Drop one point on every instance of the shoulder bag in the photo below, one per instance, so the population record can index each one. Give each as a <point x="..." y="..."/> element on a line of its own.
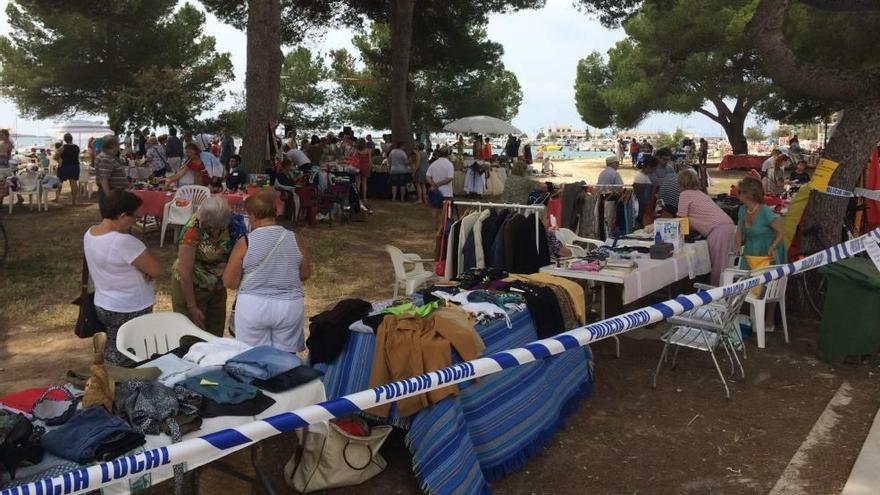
<point x="87" y="323"/>
<point x="336" y="460"/>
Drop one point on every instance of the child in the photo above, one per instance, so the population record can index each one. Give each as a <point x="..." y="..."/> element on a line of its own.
<point x="800" y="176"/>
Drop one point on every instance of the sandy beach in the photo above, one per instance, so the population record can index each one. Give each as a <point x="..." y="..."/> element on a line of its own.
<point x="588" y="169"/>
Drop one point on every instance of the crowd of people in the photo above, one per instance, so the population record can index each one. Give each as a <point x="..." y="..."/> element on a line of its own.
<point x="266" y="265"/>
<point x="666" y="190"/>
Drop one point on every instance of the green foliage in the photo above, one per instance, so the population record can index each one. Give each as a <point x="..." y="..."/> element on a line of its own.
<point x="304" y="92"/>
<point x="781" y="131"/>
<point x="300" y="19"/>
<point x="755" y="134"/>
<point x="677" y="57"/>
<point x="443" y="88"/>
<point x="141" y="62"/>
<point x="539" y="136"/>
<point x="835" y="39"/>
<point x="666" y="140"/>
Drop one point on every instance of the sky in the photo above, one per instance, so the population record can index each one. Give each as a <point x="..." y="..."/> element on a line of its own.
<point x="542" y="47"/>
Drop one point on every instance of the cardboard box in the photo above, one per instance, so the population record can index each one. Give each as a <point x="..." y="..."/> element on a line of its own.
<point x="672" y="230"/>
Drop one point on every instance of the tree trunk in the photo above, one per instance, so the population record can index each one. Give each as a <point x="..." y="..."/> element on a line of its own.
<point x="262" y="81"/>
<point x="854" y="137"/>
<point x="856" y="132"/>
<point x="735" y="131"/>
<point x="401" y="43"/>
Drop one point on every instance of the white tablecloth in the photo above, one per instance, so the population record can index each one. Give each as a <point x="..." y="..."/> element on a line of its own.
<point x="304" y="395"/>
<point x="650" y="275"/>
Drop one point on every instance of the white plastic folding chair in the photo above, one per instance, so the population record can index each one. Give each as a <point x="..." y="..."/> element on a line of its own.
<point x="179" y="215"/>
<point x="568" y="238"/>
<point x="707" y="328"/>
<point x="774" y="292"/>
<point x="88" y="183"/>
<point x="409" y="279"/>
<point x="156" y="333"/>
<point x="30" y="185"/>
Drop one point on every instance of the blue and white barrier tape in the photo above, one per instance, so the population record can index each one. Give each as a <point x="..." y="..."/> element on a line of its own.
<point x="103" y="474"/>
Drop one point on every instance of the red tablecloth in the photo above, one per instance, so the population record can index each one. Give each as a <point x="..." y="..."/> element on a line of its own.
<point x="741" y="161"/>
<point x="154" y="201"/>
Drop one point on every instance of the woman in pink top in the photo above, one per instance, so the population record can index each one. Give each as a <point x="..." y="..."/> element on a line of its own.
<point x="708" y="219"/>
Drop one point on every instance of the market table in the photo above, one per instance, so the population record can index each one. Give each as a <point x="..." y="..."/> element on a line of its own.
<point x="154" y="201"/>
<point x="741" y="161"/>
<point x="304" y="395"/>
<point x="495" y="425"/>
<point x="649" y="275"/>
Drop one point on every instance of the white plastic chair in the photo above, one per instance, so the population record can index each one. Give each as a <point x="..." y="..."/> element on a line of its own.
<point x="156" y="333"/>
<point x="568" y="238"/>
<point x="179" y="215"/>
<point x="412" y="279"/>
<point x="774" y="292"/>
<point x="88" y="183"/>
<point x="30" y="184"/>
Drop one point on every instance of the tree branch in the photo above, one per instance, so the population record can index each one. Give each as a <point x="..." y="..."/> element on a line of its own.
<point x="787" y="70"/>
<point x="723" y="112"/>
<point x="710" y="115"/>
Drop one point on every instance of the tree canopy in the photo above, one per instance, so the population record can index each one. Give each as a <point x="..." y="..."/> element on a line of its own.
<point x="679" y="56"/>
<point x="304" y="91"/>
<point x="139" y="62"/>
<point x="443" y="87"/>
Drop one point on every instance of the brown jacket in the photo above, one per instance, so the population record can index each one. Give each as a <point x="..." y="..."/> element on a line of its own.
<point x="408" y="346"/>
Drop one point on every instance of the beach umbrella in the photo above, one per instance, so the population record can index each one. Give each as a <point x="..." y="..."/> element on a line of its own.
<point x="481" y="124"/>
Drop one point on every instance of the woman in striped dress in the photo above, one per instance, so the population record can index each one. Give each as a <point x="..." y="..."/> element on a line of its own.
<point x="268" y="267"/>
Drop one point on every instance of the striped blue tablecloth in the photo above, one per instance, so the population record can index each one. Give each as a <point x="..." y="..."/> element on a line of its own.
<point x="495" y="425"/>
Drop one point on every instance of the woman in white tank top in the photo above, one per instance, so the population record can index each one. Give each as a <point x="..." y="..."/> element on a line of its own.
<point x="268" y="268"/>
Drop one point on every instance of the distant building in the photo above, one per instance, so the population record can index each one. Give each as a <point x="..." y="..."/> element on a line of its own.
<point x="638" y="134"/>
<point x="564" y="131"/>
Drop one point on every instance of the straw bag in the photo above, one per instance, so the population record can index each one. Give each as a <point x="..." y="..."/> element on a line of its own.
<point x="336" y="460"/>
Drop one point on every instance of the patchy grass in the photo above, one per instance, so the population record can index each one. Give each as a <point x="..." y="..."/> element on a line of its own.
<point x="42" y="276"/>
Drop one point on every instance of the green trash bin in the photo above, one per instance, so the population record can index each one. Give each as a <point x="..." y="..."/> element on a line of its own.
<point x="851" y="319"/>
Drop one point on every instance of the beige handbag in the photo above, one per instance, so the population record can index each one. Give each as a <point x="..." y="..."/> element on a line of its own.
<point x="336" y="460"/>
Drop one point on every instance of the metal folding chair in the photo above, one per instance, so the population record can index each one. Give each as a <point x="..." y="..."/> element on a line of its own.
<point x="706" y="329"/>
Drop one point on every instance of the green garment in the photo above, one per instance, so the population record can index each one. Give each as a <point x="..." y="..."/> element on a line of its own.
<point x="210" y="254"/>
<point x="212" y="303"/>
<point x="410" y="308"/>
<point x="758" y="237"/>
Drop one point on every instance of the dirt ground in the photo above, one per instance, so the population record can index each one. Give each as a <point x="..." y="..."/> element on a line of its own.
<point x="626" y="438"/>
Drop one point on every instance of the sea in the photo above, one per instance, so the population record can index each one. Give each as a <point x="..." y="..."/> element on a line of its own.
<point x="565" y="152"/>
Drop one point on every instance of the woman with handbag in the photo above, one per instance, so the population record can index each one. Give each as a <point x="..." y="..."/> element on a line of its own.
<point x="267" y="267"/>
<point x="121" y="268"/>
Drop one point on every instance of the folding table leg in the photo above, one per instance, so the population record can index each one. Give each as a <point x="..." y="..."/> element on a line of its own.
<point x="258" y="471"/>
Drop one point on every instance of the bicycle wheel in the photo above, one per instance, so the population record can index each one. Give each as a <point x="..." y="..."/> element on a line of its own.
<point x="4" y="244"/>
<point x="815" y="286"/>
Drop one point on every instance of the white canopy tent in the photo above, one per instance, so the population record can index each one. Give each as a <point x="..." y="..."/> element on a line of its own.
<point x="81" y="130"/>
<point x="481" y="124"/>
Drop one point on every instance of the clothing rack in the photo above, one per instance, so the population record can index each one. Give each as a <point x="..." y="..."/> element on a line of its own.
<point x="508" y="206"/>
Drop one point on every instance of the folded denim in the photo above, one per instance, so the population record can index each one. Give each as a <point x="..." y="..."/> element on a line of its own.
<point x="220" y="387"/>
<point x="92" y="434"/>
<point x="262" y="362"/>
<point x="291" y="379"/>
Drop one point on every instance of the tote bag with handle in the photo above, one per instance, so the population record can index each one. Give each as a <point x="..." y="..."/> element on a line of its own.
<point x="336" y="460"/>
